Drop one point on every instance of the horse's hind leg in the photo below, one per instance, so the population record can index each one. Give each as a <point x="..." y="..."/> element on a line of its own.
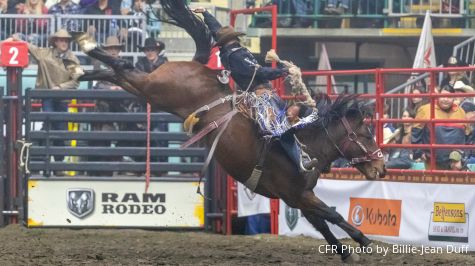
<point x="312" y="203"/>
<point x="335" y="244"/>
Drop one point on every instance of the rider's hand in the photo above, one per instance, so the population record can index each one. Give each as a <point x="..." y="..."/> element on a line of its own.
<point x="199" y="9"/>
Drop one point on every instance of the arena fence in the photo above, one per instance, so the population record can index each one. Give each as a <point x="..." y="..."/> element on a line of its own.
<point x="3" y="178"/>
<point x="72" y="165"/>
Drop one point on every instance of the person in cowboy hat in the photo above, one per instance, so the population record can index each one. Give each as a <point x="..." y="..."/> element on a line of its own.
<point x="252" y="77"/>
<point x="58" y="69"/>
<point x="452" y="77"/>
<point x="113" y="47"/>
<point x="154" y="55"/>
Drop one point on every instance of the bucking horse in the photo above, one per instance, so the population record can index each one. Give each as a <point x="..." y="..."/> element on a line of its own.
<point x="182" y="88"/>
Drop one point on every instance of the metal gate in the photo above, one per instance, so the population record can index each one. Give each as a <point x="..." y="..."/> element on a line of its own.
<point x="57" y="154"/>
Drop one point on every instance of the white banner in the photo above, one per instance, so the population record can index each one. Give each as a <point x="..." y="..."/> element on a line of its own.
<point x="425" y="54"/>
<point x="394" y="212"/>
<point x="114" y="203"/>
<point x="250" y="203"/>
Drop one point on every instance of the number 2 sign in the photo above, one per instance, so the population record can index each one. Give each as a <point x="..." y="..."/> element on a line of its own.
<point x="13" y="54"/>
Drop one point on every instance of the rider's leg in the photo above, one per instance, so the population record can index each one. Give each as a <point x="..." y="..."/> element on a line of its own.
<point x="291" y="147"/>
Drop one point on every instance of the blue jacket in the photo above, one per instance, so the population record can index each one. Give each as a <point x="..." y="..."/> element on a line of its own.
<point x="241" y="62"/>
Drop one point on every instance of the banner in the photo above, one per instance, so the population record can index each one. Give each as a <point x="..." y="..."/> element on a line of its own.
<point x="425" y="54"/>
<point x="114" y="203"/>
<point x="324" y="64"/>
<point x="250" y="203"/>
<point x="395" y="212"/>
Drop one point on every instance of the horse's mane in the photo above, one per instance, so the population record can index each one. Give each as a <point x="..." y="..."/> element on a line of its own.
<point x="342" y="106"/>
<point x="182" y="17"/>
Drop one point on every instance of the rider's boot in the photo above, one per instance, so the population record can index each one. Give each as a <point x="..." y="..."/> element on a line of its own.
<point x="305" y="165"/>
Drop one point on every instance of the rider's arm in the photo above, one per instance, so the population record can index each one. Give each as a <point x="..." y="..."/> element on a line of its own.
<point x="212" y="23"/>
<point x="239" y="62"/>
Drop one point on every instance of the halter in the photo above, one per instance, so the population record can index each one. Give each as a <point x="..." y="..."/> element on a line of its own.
<point x="353" y="137"/>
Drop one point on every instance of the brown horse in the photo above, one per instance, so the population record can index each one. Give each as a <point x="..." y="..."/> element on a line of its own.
<point x="182" y="87"/>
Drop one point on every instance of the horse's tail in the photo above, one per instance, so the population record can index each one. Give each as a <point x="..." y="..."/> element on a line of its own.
<point x="178" y="11"/>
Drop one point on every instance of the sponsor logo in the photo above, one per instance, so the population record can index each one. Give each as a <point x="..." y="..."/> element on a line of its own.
<point x="357" y="215"/>
<point x="133" y="203"/>
<point x="375" y="216"/>
<point x="80" y="201"/>
<point x="291" y="217"/>
<point x="449" y="212"/>
<point x="449" y="222"/>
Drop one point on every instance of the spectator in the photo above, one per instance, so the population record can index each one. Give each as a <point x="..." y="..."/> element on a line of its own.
<point x="415" y="103"/>
<point x="58" y="69"/>
<point x="401" y="158"/>
<point x="7" y="7"/>
<point x="105" y="27"/>
<point x="66" y="7"/>
<point x="469" y="109"/>
<point x="337" y="7"/>
<point x="32" y="29"/>
<point x="388" y="128"/>
<point x="451" y="6"/>
<point x="154" y="55"/>
<point x="112" y="47"/>
<point x="445" y="133"/>
<point x="454" y="76"/>
<point x="457" y="162"/>
<point x="460" y="87"/>
<point x="298" y="8"/>
<point x="135" y="27"/>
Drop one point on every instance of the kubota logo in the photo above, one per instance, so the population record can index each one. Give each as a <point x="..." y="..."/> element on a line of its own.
<point x="375" y="216"/>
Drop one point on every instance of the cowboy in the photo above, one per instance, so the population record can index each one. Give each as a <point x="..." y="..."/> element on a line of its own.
<point x="154" y="55"/>
<point x="58" y="69"/>
<point x="252" y="77"/>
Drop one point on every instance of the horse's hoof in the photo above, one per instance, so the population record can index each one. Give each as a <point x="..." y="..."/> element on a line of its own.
<point x="353" y="258"/>
<point x="368" y="248"/>
<point x="85" y="41"/>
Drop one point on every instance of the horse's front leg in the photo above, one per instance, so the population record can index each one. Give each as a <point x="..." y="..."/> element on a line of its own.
<point x="322" y="227"/>
<point x="311" y="202"/>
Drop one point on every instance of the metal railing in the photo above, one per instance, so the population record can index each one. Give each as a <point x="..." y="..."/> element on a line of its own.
<point x="446" y="8"/>
<point x="35" y="29"/>
<point x="372" y="13"/>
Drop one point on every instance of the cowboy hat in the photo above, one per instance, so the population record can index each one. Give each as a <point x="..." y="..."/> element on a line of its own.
<point x="112" y="42"/>
<point x="459" y="85"/>
<point x="452" y="62"/>
<point x="151" y="43"/>
<point x="62" y="33"/>
<point x="226" y="34"/>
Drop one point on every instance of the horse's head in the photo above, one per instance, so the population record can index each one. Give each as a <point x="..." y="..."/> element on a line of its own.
<point x="350" y="137"/>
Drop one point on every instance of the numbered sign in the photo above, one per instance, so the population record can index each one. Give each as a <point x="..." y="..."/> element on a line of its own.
<point x="13" y="54"/>
<point x="214" y="61"/>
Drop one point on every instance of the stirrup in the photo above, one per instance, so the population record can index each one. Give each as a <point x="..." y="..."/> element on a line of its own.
<point x="308" y="166"/>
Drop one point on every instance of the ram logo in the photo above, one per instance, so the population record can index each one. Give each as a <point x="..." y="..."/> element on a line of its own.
<point x="80" y="201"/>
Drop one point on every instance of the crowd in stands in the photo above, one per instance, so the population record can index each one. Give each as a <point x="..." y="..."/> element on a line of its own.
<point x="448" y="108"/>
<point x="35" y="29"/>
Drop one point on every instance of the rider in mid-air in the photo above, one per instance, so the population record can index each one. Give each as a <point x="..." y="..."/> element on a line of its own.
<point x="252" y="77"/>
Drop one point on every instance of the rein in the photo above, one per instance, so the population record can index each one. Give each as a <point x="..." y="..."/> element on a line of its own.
<point x="353" y="137"/>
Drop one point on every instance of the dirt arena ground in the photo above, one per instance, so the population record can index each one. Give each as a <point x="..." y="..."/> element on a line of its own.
<point x="20" y="246"/>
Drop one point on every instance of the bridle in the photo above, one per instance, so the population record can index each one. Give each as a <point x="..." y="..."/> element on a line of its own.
<point x="353" y="137"/>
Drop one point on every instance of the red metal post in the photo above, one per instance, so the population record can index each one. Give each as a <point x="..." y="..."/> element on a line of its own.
<point x="13" y="133"/>
<point x="432" y="116"/>
<point x="274" y="203"/>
